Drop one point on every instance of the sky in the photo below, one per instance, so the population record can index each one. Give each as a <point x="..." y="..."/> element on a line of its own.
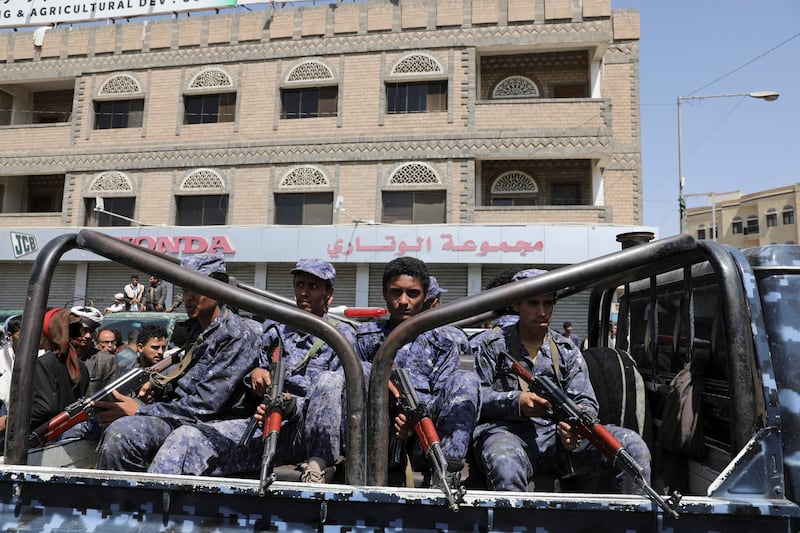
<point x="708" y="48"/>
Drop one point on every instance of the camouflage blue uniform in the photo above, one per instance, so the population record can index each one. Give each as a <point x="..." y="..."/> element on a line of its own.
<point x="451" y="395"/>
<point x="317" y="383"/>
<point x="511" y="448"/>
<point x="188" y="430"/>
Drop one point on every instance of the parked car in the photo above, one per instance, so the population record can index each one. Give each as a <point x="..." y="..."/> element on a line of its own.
<point x="129" y="320"/>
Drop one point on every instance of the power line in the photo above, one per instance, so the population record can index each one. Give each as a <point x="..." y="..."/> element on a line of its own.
<point x="745" y="64"/>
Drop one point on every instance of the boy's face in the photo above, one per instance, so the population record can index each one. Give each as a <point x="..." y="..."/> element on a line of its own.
<point x="536" y="313"/>
<point x="404" y="297"/>
<point x="311" y="293"/>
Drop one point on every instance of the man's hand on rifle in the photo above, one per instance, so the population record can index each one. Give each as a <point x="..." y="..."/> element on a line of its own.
<point x="403" y="427"/>
<point x="122" y="405"/>
<point x="531" y="404"/>
<point x="146" y="393"/>
<point x="260" y="379"/>
<point x="569" y="436"/>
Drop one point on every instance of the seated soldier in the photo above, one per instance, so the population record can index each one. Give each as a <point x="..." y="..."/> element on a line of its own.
<point x="514" y="439"/>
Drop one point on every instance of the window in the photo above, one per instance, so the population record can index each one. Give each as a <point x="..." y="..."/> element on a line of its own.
<point x="209" y="108"/>
<point x="788" y="214"/>
<point x="752" y="225"/>
<point x="309" y="103"/>
<point x="210" y="98"/>
<point x="565" y="194"/>
<point x="6" y="105"/>
<point x="118" y="114"/>
<point x="404" y="95"/>
<point x="514" y="188"/>
<point x="304" y="208"/>
<point x="414" y="207"/>
<point x="45" y="194"/>
<point x="51" y="107"/>
<point x="420" y="97"/>
<point x="736" y="225"/>
<point x="120" y="103"/>
<point x="117" y="206"/>
<point x="208" y="210"/>
<point x="772" y="218"/>
<point x="701" y="232"/>
<point x="295" y="204"/>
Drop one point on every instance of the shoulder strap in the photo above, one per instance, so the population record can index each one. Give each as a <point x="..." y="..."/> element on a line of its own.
<point x="312" y="352"/>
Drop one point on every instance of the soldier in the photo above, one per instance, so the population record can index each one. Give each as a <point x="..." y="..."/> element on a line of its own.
<point x="451" y="395"/>
<point x="200" y="410"/>
<point x="314" y="377"/>
<point x="514" y="439"/>
<point x="434" y="297"/>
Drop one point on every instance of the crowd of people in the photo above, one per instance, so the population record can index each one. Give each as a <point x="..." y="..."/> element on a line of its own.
<point x="137" y="297"/>
<point x="191" y="419"/>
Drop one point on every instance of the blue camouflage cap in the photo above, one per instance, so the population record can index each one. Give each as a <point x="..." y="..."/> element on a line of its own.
<point x="528" y="273"/>
<point x="205" y="263"/>
<point x="316" y="267"/>
<point x="434" y="289"/>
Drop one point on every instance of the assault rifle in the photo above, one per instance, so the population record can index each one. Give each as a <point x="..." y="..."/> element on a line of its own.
<point x="275" y="403"/>
<point x="409" y="404"/>
<point x="566" y="410"/>
<point x="80" y="410"/>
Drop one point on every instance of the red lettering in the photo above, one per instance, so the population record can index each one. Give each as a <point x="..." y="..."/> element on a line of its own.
<point x="187" y="244"/>
<point x="220" y="244"/>
<point x="147" y="242"/>
<point x="193" y="245"/>
<point x="168" y="245"/>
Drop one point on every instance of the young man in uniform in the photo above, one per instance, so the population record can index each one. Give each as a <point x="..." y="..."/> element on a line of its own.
<point x="314" y="378"/>
<point x="514" y="439"/>
<point x="451" y="395"/>
<point x="199" y="411"/>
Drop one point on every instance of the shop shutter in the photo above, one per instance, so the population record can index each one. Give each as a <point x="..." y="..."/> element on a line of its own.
<point x="345" y="290"/>
<point x="450" y="277"/>
<point x="15" y="285"/>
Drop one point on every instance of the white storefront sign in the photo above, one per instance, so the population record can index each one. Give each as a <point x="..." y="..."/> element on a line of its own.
<point x="524" y="244"/>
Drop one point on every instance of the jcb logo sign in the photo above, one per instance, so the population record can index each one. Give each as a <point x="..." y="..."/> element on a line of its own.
<point x="23" y="244"/>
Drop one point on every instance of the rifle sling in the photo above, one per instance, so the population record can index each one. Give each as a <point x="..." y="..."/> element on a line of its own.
<point x="312" y="352"/>
<point x="159" y="381"/>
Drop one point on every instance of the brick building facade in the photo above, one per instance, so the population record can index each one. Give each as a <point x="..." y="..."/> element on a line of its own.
<point x="511" y="116"/>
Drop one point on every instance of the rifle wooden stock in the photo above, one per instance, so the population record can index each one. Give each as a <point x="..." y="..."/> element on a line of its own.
<point x="425" y="430"/>
<point x="274" y="403"/>
<point x="79" y="410"/>
<point x="566" y="410"/>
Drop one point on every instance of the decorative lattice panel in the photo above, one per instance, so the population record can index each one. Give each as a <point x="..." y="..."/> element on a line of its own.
<point x="121" y="84"/>
<point x="310" y="71"/>
<point x="514" y="182"/>
<point x="211" y="78"/>
<point x="112" y="181"/>
<point x="516" y="87"/>
<point x="304" y="177"/>
<point x="414" y="173"/>
<point x="203" y="178"/>
<point x="417" y="64"/>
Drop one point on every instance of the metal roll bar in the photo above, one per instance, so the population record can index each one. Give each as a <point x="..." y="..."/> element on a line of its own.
<point x="616" y="268"/>
<point x="166" y="268"/>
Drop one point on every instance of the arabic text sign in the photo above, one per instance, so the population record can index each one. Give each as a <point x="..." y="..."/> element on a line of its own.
<point x="340" y="249"/>
<point x="44" y="12"/>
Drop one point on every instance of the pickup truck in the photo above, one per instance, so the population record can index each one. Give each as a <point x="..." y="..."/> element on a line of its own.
<point x="703" y="367"/>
